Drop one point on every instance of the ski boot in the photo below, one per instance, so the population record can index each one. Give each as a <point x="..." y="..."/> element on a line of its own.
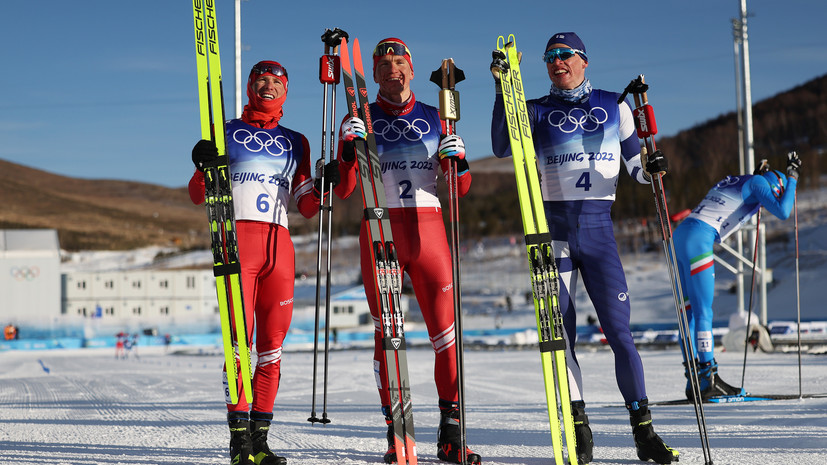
<point x="582" y="432"/>
<point x="262" y="455"/>
<point x="390" y="455"/>
<point x="648" y="444"/>
<point x="449" y="443"/>
<point x="241" y="446"/>
<point x="711" y="385"/>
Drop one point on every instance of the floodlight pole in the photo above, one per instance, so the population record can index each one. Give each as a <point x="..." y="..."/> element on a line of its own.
<point x="237" y="58"/>
<point x="746" y="153"/>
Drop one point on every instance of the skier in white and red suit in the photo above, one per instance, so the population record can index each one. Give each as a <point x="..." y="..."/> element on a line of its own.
<point x="269" y="164"/>
<point x="412" y="147"/>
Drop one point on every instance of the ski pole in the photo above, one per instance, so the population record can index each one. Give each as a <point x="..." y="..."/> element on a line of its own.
<point x="797" y="291"/>
<point x="751" y="294"/>
<point x="446" y="77"/>
<point x="644" y="118"/>
<point x="762" y="168"/>
<point x="329" y="76"/>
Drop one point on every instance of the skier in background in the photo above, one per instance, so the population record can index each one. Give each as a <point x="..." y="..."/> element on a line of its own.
<point x="412" y="148"/>
<point x="269" y="163"/>
<point x="120" y="344"/>
<point x="133" y="346"/>
<point x="727" y="206"/>
<point x="581" y="135"/>
<point x="10" y="332"/>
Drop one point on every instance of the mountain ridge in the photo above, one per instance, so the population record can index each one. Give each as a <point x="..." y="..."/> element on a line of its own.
<point x="100" y="214"/>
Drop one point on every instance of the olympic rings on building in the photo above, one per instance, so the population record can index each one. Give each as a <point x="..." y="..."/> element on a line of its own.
<point x="25" y="273"/>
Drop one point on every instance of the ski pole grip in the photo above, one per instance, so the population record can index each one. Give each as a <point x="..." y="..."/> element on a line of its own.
<point x="645" y="124"/>
<point x="329" y="66"/>
<point x="449" y="105"/>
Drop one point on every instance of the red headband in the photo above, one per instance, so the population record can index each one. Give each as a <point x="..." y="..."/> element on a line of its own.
<point x="392" y="46"/>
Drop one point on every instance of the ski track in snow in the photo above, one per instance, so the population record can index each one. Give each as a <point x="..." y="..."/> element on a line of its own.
<point x="168" y="409"/>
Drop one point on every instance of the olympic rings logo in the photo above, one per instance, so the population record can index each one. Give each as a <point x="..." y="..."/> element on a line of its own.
<point x="576" y="118"/>
<point x="29" y="273"/>
<point x="261" y="140"/>
<point x="728" y="181"/>
<point x="399" y="128"/>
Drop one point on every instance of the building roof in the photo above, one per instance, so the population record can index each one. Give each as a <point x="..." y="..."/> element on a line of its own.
<point x="29" y="240"/>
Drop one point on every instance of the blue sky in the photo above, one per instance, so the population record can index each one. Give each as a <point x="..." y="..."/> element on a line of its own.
<point x="105" y="89"/>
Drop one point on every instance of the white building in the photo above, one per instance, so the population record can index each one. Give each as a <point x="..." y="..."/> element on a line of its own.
<point x="29" y="275"/>
<point x="147" y="298"/>
<point x="45" y="302"/>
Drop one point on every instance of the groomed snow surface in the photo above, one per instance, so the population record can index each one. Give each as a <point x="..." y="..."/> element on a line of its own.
<point x="87" y="407"/>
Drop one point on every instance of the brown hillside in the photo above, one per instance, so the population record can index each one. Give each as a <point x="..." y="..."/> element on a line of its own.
<point x="99" y="214"/>
<point x="113" y="215"/>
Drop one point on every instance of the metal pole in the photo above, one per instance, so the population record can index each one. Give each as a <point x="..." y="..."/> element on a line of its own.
<point x="749" y="151"/>
<point x="238" y="58"/>
<point x="739" y="237"/>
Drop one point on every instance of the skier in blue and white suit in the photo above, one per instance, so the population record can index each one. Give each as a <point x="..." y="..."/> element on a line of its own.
<point x="581" y="137"/>
<point x="723" y="211"/>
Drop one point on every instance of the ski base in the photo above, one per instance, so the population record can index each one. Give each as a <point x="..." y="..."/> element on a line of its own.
<point x="741" y="398"/>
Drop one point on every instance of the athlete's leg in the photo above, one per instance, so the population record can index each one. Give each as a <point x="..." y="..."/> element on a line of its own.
<point x="424" y="249"/>
<point x="252" y="243"/>
<point x="567" y="267"/>
<point x="605" y="281"/>
<point x="693" y="244"/>
<point x="273" y="313"/>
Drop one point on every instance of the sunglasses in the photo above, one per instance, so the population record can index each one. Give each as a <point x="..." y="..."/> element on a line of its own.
<point x="276" y="70"/>
<point x="394" y="48"/>
<point x="562" y="53"/>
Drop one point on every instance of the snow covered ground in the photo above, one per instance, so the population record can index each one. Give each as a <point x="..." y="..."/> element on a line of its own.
<point x="85" y="407"/>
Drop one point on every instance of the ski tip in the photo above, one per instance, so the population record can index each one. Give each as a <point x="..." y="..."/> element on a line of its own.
<point x="500" y="42"/>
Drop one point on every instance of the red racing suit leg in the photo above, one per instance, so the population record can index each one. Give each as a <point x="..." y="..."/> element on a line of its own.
<point x="267" y="261"/>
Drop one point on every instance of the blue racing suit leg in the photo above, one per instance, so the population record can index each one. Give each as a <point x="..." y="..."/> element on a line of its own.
<point x="586" y="228"/>
<point x="693" y="241"/>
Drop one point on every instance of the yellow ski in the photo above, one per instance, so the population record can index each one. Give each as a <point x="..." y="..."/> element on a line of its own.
<point x="219" y="201"/>
<point x="544" y="277"/>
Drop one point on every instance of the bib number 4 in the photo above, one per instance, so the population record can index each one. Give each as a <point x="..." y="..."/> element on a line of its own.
<point x="584" y="182"/>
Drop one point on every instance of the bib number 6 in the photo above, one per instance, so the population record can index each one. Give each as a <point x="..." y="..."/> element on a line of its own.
<point x="262" y="203"/>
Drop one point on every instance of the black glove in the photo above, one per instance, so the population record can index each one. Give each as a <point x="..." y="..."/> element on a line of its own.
<point x="204" y="154"/>
<point x="793" y="165"/>
<point x="348" y="150"/>
<point x="331" y="178"/>
<point x="763" y="167"/>
<point x="498" y="64"/>
<point x="656" y="163"/>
